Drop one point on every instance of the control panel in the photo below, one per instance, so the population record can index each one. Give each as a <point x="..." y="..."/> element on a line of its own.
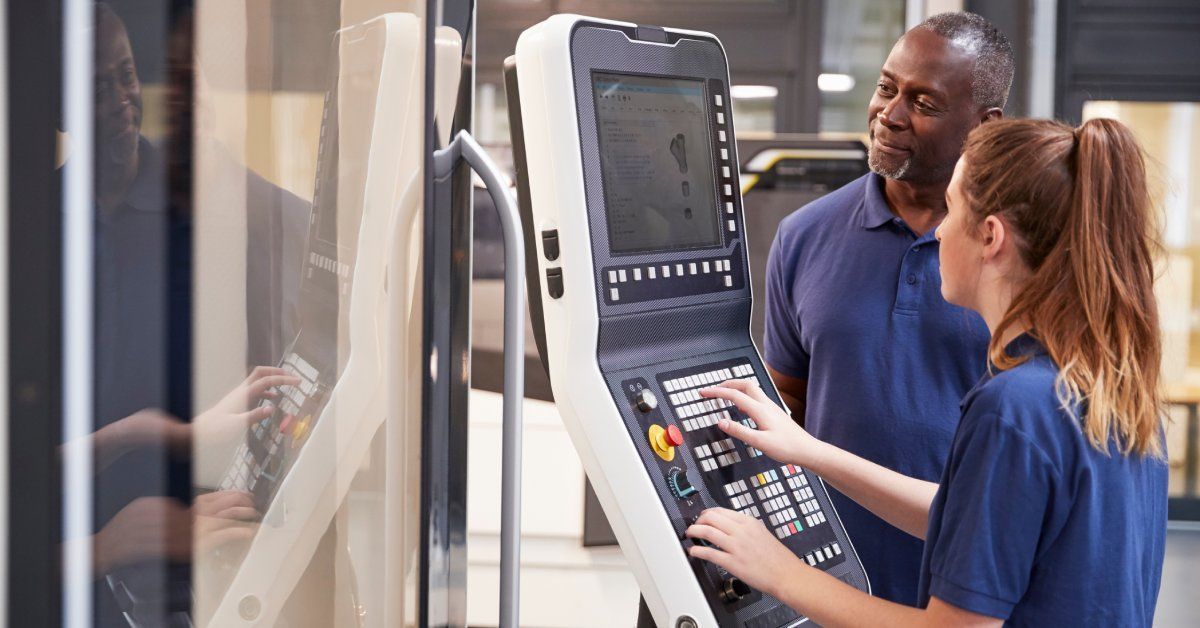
<point x="627" y="178"/>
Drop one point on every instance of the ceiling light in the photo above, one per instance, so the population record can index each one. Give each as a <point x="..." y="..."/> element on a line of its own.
<point x="753" y="92"/>
<point x="835" y="82"/>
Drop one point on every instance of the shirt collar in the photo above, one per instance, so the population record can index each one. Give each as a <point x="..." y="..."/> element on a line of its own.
<point x="875" y="211"/>
<point x="1026" y="344"/>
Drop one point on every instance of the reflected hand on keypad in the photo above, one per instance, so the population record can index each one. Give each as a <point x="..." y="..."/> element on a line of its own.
<point x="242" y="406"/>
<point x="164" y="527"/>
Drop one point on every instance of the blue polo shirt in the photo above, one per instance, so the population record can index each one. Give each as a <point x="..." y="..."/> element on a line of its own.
<point x="1032" y="524"/>
<point x="854" y="306"/>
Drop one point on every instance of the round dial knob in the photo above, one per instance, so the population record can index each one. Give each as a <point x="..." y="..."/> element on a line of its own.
<point x="646" y="401"/>
<point x="734" y="589"/>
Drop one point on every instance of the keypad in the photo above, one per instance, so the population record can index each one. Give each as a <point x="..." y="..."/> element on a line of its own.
<point x="806" y="500"/>
<point x="717" y="454"/>
<point x="823" y="554"/>
<point x="633" y="284"/>
<point x="739" y="476"/>
<point x="696" y="412"/>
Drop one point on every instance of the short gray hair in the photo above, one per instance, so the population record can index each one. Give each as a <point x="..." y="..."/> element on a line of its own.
<point x="992" y="75"/>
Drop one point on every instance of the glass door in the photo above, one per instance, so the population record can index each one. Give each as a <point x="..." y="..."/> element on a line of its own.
<point x="220" y="393"/>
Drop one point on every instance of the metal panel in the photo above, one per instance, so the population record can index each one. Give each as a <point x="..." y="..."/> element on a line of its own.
<point x="446" y="331"/>
<point x="34" y="282"/>
<point x="1126" y="50"/>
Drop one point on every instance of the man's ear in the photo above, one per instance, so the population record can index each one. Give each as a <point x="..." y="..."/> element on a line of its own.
<point x="991" y="113"/>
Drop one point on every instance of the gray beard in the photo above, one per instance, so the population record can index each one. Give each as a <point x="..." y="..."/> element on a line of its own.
<point x="876" y="164"/>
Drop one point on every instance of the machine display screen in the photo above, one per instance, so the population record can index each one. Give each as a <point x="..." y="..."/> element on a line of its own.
<point x="656" y="163"/>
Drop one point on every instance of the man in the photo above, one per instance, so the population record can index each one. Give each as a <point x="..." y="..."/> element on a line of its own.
<point x="860" y="343"/>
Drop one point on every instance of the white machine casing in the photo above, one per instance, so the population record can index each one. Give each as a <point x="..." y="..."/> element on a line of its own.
<point x="554" y="162"/>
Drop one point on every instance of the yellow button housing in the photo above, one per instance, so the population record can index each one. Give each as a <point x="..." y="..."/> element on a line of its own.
<point x="658" y="442"/>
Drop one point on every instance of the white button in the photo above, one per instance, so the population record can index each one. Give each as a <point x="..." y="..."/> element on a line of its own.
<point x="621" y="274"/>
<point x="704" y="266"/>
<point x="724" y="153"/>
<point x="728" y="281"/>
<point x="652" y="273"/>
<point x="717" y="99"/>
<point x="666" y="271"/>
<point x="728" y="208"/>
<point x="726" y="265"/>
<point x="637" y="274"/>
<point x="692" y="267"/>
<point x="732" y="226"/>
<point x="725" y="172"/>
<point x="679" y="269"/>
<point x="721" y="135"/>
<point x="720" y="118"/>
<point x="612" y="276"/>
<point x="616" y="294"/>
<point x="728" y="189"/>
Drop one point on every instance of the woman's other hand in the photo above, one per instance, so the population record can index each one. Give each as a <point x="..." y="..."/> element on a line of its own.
<point x="744" y="547"/>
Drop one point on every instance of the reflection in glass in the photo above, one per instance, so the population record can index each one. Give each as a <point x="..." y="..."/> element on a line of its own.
<point x="243" y="472"/>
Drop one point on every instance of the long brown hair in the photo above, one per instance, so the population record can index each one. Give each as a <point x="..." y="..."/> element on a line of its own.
<point x="1078" y="202"/>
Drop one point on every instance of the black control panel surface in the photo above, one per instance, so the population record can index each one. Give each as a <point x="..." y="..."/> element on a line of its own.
<point x="702" y="467"/>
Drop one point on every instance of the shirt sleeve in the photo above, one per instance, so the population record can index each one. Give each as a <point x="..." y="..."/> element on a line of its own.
<point x="998" y="489"/>
<point x="782" y="349"/>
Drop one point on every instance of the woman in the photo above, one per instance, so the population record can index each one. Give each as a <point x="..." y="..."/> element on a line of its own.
<point x="1051" y="510"/>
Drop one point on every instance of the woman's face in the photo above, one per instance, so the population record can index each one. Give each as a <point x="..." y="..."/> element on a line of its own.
<point x="961" y="250"/>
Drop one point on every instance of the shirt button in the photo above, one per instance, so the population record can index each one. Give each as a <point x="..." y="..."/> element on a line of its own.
<point x="911" y="279"/>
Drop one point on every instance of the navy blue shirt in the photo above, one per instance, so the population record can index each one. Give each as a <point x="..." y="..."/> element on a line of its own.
<point x="1034" y="525"/>
<point x="854" y="306"/>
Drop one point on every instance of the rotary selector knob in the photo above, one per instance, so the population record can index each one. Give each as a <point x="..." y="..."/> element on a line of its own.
<point x="679" y="484"/>
<point x="646" y="401"/>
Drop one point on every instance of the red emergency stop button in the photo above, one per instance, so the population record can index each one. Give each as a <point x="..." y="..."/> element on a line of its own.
<point x="673" y="436"/>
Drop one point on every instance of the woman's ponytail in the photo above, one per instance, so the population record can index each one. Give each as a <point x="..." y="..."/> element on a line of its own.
<point x="1078" y="200"/>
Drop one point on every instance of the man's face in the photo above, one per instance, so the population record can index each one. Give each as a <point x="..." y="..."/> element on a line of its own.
<point x="118" y="94"/>
<point x="922" y="109"/>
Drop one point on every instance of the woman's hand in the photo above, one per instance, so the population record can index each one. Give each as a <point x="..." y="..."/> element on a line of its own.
<point x="777" y="435"/>
<point x="744" y="547"/>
